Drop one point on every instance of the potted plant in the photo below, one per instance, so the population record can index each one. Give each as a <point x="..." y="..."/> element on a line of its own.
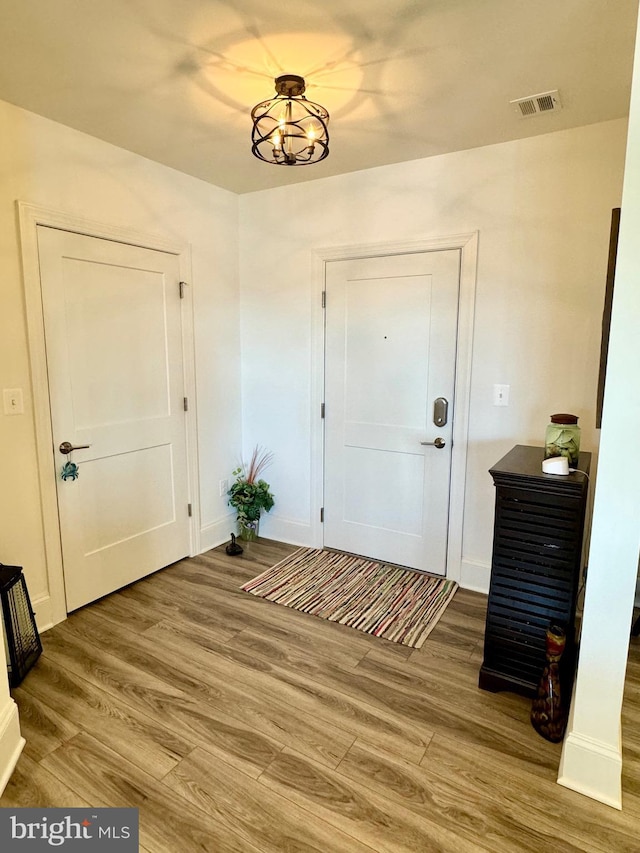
<point x="249" y="495"/>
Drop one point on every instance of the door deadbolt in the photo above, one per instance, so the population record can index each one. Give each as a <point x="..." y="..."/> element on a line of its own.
<point x="440" y="411"/>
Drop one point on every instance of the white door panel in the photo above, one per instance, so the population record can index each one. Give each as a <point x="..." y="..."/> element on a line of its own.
<point x="114" y="359"/>
<point x="391" y="326"/>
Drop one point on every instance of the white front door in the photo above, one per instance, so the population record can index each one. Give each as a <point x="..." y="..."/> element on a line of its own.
<point x="114" y="359"/>
<point x="390" y="353"/>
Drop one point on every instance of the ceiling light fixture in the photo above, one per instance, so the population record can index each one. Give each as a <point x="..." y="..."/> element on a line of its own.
<point x="289" y="130"/>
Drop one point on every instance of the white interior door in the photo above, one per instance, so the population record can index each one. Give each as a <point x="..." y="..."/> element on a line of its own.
<point x="391" y="328"/>
<point x="114" y="359"/>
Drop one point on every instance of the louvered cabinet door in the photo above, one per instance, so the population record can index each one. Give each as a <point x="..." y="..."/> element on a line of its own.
<point x="535" y="572"/>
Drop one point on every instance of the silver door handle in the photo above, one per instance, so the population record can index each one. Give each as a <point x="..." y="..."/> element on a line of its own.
<point x="66" y="447"/>
<point x="437" y="442"/>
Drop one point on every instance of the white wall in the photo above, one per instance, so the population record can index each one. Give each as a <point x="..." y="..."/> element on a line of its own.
<point x="591" y="758"/>
<point x="542" y="207"/>
<point x="47" y="164"/>
<point x="11" y="741"/>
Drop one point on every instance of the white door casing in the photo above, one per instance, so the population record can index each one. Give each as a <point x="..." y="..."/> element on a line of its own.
<point x="155" y="465"/>
<point x="391" y="325"/>
<point x="467" y="243"/>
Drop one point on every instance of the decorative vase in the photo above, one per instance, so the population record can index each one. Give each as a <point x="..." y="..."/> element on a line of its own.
<point x="548" y="715"/>
<point x="562" y="438"/>
<point x="248" y="531"/>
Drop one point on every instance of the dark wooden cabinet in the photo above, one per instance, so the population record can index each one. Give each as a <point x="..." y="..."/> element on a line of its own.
<point x="535" y="568"/>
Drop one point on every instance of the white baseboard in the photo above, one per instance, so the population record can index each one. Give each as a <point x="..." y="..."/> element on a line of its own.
<point x="289" y="531"/>
<point x="475" y="576"/>
<point x="11" y="741"/>
<point x="217" y="532"/>
<point x="592" y="768"/>
<point x="43" y="612"/>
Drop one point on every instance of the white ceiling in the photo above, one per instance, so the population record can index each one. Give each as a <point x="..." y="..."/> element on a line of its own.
<point x="175" y="80"/>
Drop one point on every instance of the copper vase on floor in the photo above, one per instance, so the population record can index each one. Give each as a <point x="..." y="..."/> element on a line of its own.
<point x="548" y="714"/>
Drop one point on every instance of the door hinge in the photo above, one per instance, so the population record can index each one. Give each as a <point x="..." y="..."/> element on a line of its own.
<point x="190" y="509"/>
<point x="321" y="410"/>
<point x="182" y="286"/>
<point x="185" y="404"/>
<point x="321" y="515"/>
<point x="324" y="298"/>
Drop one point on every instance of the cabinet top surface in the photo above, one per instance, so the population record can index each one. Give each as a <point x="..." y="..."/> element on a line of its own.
<point x="526" y="462"/>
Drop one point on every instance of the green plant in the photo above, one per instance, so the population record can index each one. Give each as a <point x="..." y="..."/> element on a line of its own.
<point x="249" y="495"/>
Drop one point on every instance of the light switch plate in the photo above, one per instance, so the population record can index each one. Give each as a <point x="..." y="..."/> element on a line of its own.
<point x="13" y="402"/>
<point x="501" y="395"/>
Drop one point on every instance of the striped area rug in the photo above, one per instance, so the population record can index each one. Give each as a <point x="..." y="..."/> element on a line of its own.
<point x="398" y="604"/>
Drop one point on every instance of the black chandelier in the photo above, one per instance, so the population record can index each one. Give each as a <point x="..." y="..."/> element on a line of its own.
<point x="289" y="130"/>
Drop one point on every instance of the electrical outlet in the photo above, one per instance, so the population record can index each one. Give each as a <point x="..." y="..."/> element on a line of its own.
<point x="13" y="402"/>
<point x="224" y="487"/>
<point x="501" y="395"/>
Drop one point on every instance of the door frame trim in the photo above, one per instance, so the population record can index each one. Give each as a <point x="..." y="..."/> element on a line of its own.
<point x="468" y="245"/>
<point x="30" y="216"/>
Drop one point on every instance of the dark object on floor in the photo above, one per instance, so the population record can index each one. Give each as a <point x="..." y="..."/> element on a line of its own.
<point x="635" y="628"/>
<point x="23" y="641"/>
<point x="548" y="714"/>
<point x="233" y="549"/>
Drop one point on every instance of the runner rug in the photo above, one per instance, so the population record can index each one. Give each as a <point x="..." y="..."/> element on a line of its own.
<point x="398" y="604"/>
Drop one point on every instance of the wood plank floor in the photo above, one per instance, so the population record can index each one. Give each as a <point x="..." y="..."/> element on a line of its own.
<point x="239" y="726"/>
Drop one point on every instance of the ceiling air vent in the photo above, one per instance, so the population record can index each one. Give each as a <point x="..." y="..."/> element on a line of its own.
<point x="533" y="105"/>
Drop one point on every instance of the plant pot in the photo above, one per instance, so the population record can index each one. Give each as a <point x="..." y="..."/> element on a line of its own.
<point x="249" y="531"/>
